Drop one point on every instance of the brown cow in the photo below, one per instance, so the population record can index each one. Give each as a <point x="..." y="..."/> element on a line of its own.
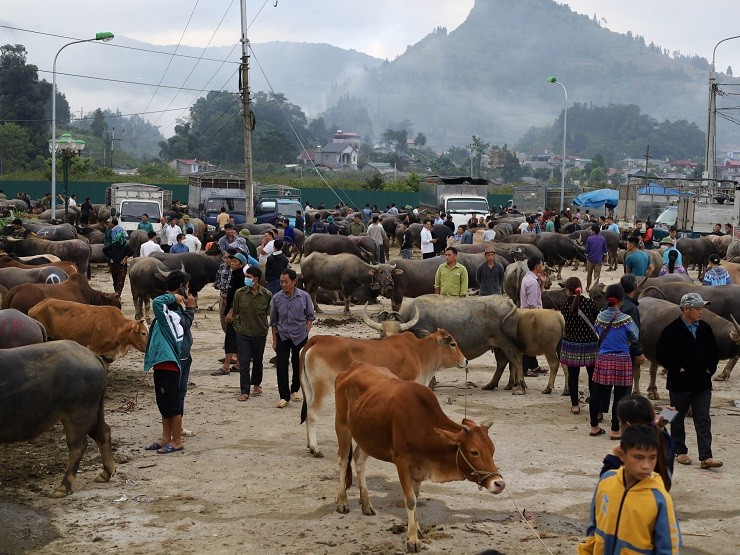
<point x="401" y="422"/>
<point x="102" y="329"/>
<point x="12" y="261"/>
<point x="76" y="288"/>
<point x="411" y="358"/>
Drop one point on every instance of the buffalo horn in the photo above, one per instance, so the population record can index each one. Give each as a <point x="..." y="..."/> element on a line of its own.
<point x="487" y="423"/>
<point x="374" y="325"/>
<point x="734" y="323"/>
<point x="411" y="323"/>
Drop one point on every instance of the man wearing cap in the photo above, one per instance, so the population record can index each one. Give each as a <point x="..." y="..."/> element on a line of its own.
<point x="187" y="225"/>
<point x="687" y="349"/>
<point x="331" y="227"/>
<point x="145" y="225"/>
<point x="716" y="274"/>
<point x="490" y="274"/>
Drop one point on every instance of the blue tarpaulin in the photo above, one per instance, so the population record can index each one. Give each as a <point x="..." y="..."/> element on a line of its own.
<point x="598" y="199"/>
<point x="655" y="189"/>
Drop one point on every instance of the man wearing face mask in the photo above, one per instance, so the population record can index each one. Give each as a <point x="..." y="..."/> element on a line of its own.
<point x="249" y="317"/>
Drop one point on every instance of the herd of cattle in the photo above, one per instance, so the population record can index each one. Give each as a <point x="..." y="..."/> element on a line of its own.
<point x="46" y="296"/>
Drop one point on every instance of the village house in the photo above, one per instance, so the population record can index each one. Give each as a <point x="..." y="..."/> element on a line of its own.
<point x="185" y="167"/>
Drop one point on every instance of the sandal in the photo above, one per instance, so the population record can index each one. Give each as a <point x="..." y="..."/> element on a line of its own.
<point x="244" y="397"/>
<point x="575" y="410"/>
<point x="221" y="372"/>
<point x="683" y="458"/>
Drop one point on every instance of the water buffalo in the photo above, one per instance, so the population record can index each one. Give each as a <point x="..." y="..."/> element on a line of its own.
<point x="137" y="238"/>
<point x="416" y="277"/>
<point x="43" y="384"/>
<point x="513" y="279"/>
<point x="439" y="232"/>
<point x="148" y="279"/>
<point x="17" y="329"/>
<point x="94" y="235"/>
<point x="61" y="232"/>
<point x="75" y="288"/>
<point x="524" y="239"/>
<point x="527" y="250"/>
<point x="365" y="249"/>
<point x="345" y="272"/>
<point x="721" y="243"/>
<point x="558" y="249"/>
<point x="10" y="277"/>
<point x="201" y="267"/>
<point x="71" y="250"/>
<point x="553" y="298"/>
<point x="480" y="325"/>
<point x="725" y="299"/>
<point x="695" y="251"/>
<point x="656" y="314"/>
<point x="733" y="252"/>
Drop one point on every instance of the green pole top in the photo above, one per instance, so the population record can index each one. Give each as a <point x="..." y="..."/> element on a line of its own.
<point x="552" y="80"/>
<point x="106" y="36"/>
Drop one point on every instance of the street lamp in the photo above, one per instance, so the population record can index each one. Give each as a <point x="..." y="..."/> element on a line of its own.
<point x="67" y="148"/>
<point x="712" y="118"/>
<point x="105" y="36"/>
<point x="565" y="125"/>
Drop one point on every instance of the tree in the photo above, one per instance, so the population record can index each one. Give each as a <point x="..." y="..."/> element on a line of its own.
<point x="157" y="169"/>
<point x="729" y="71"/>
<point x="597" y="176"/>
<point x="375" y="183"/>
<point x="98" y="126"/>
<point x="273" y="146"/>
<point x="478" y="149"/>
<point x="396" y="139"/>
<point x="420" y="140"/>
<point x="541" y="174"/>
<point x="15" y="147"/>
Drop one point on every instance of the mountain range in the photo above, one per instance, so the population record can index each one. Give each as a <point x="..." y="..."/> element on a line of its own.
<point x="487" y="77"/>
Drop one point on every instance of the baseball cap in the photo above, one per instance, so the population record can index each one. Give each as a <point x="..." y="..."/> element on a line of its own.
<point x="693" y="300"/>
<point x="186" y="218"/>
<point x="714" y="259"/>
<point x="241" y="258"/>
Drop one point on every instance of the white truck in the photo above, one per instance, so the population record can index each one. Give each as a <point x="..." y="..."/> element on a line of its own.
<point x="128" y="201"/>
<point x="459" y="196"/>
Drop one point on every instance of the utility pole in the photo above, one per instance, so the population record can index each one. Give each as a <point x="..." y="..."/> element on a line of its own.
<point x="647" y="158"/>
<point x="248" y="118"/>
<point x="112" y="144"/>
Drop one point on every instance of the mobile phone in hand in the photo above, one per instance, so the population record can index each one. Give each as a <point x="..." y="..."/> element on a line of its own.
<point x="183" y="292"/>
<point x="668" y="415"/>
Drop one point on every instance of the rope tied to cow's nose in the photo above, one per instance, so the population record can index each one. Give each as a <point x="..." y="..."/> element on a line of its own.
<point x="526" y="521"/>
<point x="480" y="476"/>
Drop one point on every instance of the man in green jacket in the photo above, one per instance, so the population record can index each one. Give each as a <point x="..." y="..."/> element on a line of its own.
<point x="248" y="315"/>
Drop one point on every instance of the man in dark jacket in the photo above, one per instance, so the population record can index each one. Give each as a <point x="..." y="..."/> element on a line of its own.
<point x="688" y="350"/>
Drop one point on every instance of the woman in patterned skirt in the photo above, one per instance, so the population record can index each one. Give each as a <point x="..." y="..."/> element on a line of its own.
<point x="580" y="345"/>
<point x="614" y="364"/>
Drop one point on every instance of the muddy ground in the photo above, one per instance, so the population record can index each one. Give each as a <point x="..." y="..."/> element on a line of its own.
<point x="246" y="481"/>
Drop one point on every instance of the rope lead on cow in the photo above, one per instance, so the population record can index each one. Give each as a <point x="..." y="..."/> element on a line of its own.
<point x="526" y="521"/>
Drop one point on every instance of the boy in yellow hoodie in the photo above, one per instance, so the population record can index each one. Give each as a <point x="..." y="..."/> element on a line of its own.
<point x="631" y="511"/>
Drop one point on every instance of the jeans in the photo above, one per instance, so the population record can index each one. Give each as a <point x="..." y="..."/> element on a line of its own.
<point x="600" y="392"/>
<point x="426" y="255"/>
<point x="248" y="349"/>
<point x="406" y="254"/>
<point x="699" y="403"/>
<point x="286" y="349"/>
<point x="529" y="362"/>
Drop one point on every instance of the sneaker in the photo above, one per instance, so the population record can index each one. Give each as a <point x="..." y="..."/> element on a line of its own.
<point x="710" y="463"/>
<point x="296" y="397"/>
<point x="530" y="374"/>
<point x="187" y="433"/>
<point x="281" y="404"/>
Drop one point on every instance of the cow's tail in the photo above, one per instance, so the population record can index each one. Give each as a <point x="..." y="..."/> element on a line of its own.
<point x="514" y="338"/>
<point x="660" y="295"/>
<point x="7" y="297"/>
<point x="348" y="476"/>
<point x="304" y="382"/>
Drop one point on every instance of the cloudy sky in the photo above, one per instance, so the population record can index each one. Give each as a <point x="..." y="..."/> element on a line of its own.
<point x="382" y="28"/>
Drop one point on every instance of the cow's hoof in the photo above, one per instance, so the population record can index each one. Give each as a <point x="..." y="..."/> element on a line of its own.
<point x="547" y="390"/>
<point x="637" y="392"/>
<point x="565" y="393"/>
<point x="316" y="452"/>
<point x="718" y="378"/>
<point x="490" y="386"/>
<point x="413" y="547"/>
<point x="342" y="509"/>
<point x="319" y="310"/>
<point x="518" y="390"/>
<point x="368" y="511"/>
<point x="60" y="492"/>
<point x="346" y="313"/>
<point x="508" y="386"/>
<point x="102" y="478"/>
<point x="653" y="395"/>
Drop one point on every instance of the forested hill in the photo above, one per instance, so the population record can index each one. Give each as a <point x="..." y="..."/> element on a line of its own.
<point x="488" y="76"/>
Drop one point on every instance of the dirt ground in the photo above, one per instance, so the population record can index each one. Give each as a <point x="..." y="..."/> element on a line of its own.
<point x="246" y="481"/>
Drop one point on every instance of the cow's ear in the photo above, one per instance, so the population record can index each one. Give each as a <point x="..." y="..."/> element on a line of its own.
<point x="397" y="271"/>
<point x="447" y="437"/>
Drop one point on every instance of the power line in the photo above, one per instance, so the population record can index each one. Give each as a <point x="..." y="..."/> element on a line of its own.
<point x="104" y="117"/>
<point x="113" y="45"/>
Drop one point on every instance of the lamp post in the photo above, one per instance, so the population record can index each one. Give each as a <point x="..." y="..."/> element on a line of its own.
<point x="712" y="117"/>
<point x="565" y="126"/>
<point x="67" y="148"/>
<point x="105" y="36"/>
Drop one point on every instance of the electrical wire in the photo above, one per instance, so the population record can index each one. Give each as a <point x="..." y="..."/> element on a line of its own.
<point x="75" y="118"/>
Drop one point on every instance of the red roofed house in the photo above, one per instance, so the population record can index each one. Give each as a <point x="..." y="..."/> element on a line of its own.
<point x="185" y="167"/>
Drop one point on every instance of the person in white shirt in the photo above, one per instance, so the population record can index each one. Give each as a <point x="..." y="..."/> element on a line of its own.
<point x="150" y="246"/>
<point x="427" y="242"/>
<point x="523" y="226"/>
<point x="192" y="242"/>
<point x="170" y="231"/>
<point x="378" y="234"/>
<point x="72" y="201"/>
<point x="489" y="234"/>
<point x="267" y="247"/>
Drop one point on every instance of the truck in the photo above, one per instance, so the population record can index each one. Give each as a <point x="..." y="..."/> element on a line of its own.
<point x="692" y="205"/>
<point x="209" y="192"/>
<point x="529" y="199"/>
<point x="128" y="201"/>
<point x="459" y="196"/>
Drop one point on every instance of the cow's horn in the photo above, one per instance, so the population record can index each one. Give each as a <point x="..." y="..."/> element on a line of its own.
<point x="549" y="269"/>
<point x="487" y="423"/>
<point x="13" y="239"/>
<point x="734" y="322"/>
<point x="411" y="323"/>
<point x="642" y="282"/>
<point x="365" y="318"/>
